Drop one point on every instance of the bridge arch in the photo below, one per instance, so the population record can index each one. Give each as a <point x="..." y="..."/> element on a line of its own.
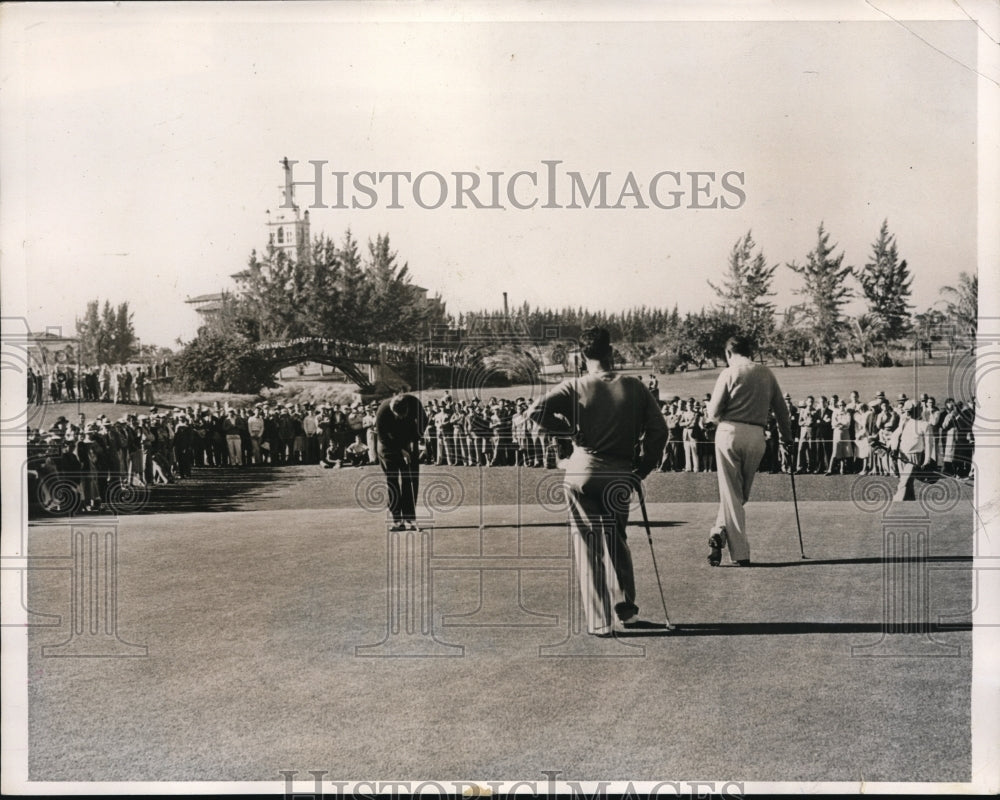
<point x="368" y="366"/>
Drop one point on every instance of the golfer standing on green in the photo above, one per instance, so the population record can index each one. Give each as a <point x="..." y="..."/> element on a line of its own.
<point x="743" y="394"/>
<point x="618" y="435"/>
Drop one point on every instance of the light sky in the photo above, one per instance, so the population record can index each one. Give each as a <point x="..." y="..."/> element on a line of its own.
<point x="152" y="140"/>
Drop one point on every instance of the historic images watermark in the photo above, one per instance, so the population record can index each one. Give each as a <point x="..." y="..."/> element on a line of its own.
<point x="549" y="786"/>
<point x="548" y="185"/>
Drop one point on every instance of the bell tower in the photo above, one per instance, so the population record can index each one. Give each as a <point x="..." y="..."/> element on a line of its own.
<point x="288" y="228"/>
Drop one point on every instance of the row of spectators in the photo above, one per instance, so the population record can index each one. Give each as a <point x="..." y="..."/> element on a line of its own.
<point x="165" y="445"/>
<point x="310" y="346"/>
<point x="109" y="384"/>
<point x="832" y="435"/>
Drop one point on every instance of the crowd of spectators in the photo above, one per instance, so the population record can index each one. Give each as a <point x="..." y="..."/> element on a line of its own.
<point x="164" y="445"/>
<point x="66" y="383"/>
<point x="833" y="435"/>
<point x="305" y="346"/>
<point x="493" y="433"/>
<point x="309" y="346"/>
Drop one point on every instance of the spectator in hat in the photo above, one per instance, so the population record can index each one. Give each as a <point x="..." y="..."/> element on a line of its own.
<point x="255" y="430"/>
<point x="861" y="425"/>
<point x="286" y="436"/>
<point x="789" y="454"/>
<point x="842" y="451"/>
<point x="886" y="422"/>
<point x="907" y="446"/>
<point x="234" y="443"/>
<point x="430" y="436"/>
<point x="690" y="435"/>
<point x="965" y="416"/>
<point x="808" y="421"/>
<point x="673" y="451"/>
<point x="310" y="428"/>
<point x="298" y="439"/>
<point x="933" y="416"/>
<point x="184" y="446"/>
<point x="443" y="427"/>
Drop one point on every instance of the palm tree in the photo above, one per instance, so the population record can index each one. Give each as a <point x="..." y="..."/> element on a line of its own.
<point x="867" y="330"/>
<point x="962" y="306"/>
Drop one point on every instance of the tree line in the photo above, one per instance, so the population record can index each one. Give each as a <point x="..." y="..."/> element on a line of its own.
<point x="341" y="291"/>
<point x="816" y="328"/>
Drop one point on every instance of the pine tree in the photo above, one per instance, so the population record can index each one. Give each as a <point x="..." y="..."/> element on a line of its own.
<point x="885" y="282"/>
<point x="271" y="292"/>
<point x="745" y="288"/>
<point x="88" y="330"/>
<point x="825" y="286"/>
<point x="123" y="335"/>
<point x="394" y="312"/>
<point x="106" y="334"/>
<point x="355" y="292"/>
<point x="322" y="301"/>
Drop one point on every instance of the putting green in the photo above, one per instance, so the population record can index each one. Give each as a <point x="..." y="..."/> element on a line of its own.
<point x="315" y="640"/>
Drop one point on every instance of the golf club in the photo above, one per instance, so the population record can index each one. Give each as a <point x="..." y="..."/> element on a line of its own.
<point x="795" y="502"/>
<point x="649" y="537"/>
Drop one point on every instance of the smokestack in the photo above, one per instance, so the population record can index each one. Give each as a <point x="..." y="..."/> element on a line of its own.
<point x="506" y="313"/>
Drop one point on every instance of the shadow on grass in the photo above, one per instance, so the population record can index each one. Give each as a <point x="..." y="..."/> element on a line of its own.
<point x="516" y="526"/>
<point x="216" y="489"/>
<point x="789" y="629"/>
<point x="818" y="562"/>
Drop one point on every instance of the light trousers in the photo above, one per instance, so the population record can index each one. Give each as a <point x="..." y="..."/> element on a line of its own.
<point x="739" y="449"/>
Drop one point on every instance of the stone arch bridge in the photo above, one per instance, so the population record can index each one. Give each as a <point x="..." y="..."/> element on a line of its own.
<point x="373" y="368"/>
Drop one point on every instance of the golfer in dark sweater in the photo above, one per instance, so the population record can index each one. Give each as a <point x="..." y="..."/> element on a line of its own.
<point x="398" y="425"/>
<point x="618" y="435"/>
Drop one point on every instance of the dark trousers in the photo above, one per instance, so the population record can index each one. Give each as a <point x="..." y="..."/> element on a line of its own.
<point x="403" y="482"/>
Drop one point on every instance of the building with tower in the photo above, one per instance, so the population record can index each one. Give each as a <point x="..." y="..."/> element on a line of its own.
<point x="288" y="227"/>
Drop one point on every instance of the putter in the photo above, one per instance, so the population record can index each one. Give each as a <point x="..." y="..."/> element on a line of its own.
<point x="649" y="537"/>
<point x="795" y="502"/>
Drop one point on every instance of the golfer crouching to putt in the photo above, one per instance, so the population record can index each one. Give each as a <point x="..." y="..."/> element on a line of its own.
<point x="399" y="422"/>
<point x="743" y="395"/>
<point x="618" y="435"/>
